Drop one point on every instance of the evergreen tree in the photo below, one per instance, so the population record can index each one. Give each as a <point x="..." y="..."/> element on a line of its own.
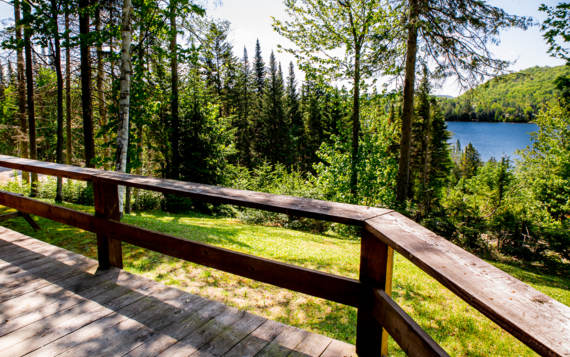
<point x="313" y="122"/>
<point x="273" y="132"/>
<point x="458" y="44"/>
<point x="419" y="151"/>
<point x="243" y="128"/>
<point x="294" y="118"/>
<point x="259" y="69"/>
<point x="440" y="159"/>
<point x="470" y="161"/>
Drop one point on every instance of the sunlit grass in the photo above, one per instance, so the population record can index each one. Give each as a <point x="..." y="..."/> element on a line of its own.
<point x="459" y="328"/>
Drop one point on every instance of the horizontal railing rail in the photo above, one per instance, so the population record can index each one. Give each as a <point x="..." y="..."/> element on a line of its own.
<point x="537" y="320"/>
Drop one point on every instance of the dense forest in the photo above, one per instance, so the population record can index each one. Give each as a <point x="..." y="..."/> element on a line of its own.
<point x="156" y="88"/>
<point x="513" y="97"/>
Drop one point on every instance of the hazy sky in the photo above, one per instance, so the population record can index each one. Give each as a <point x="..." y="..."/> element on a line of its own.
<point x="251" y="19"/>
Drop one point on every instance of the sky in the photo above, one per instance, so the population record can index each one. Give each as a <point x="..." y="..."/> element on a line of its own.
<point x="251" y="19"/>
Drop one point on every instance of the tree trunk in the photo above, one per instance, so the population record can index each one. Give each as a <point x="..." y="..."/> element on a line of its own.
<point x="68" y="151"/>
<point x="426" y="136"/>
<point x="408" y="104"/>
<point x="124" y="97"/>
<point x="21" y="89"/>
<point x="86" y="104"/>
<point x="100" y="78"/>
<point x="355" y="125"/>
<point x="57" y="57"/>
<point x="30" y="93"/>
<point x="175" y="120"/>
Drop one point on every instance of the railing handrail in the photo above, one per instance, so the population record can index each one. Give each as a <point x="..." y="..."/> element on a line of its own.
<point x="537" y="320"/>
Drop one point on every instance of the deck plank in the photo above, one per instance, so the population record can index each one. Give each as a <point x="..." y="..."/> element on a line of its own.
<point x="40" y="333"/>
<point x="55" y="302"/>
<point x="170" y="335"/>
<point x="284" y="343"/>
<point x="231" y="336"/>
<point x="259" y="338"/>
<point x="43" y="311"/>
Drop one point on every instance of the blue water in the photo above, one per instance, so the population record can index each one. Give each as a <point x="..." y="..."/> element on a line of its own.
<point x="492" y="139"/>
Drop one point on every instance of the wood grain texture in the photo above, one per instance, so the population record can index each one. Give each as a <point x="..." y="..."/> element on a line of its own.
<point x="412" y="339"/>
<point x="312" y="282"/>
<point x="535" y="319"/>
<point x="114" y="312"/>
<point x="375" y="265"/>
<point x="331" y="211"/>
<point x="106" y="199"/>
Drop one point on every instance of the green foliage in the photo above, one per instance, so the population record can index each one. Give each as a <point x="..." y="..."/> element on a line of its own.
<point x="556" y="29"/>
<point x="460" y="329"/>
<point x="470" y="161"/>
<point x="514" y="97"/>
<point x="376" y="169"/>
<point x="275" y="179"/>
<point x="545" y="169"/>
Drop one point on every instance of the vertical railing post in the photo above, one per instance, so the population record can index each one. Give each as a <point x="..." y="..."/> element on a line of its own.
<point x="109" y="250"/>
<point x="376" y="261"/>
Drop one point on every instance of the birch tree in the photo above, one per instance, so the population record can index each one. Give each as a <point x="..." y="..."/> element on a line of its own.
<point x="124" y="97"/>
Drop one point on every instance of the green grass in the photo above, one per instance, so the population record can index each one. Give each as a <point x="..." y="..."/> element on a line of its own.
<point x="459" y="328"/>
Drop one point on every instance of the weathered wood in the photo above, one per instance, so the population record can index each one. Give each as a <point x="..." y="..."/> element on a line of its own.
<point x="36" y="284"/>
<point x="284" y="343"/>
<point x="544" y="325"/>
<point x="204" y="334"/>
<point x="109" y="250"/>
<point x="535" y="319"/>
<point x="404" y="330"/>
<point x="311" y="345"/>
<point x="102" y="335"/>
<point x="38" y="334"/>
<point x="192" y="320"/>
<point x="312" y="282"/>
<point x="339" y="349"/>
<point x="375" y="273"/>
<point x="117" y="313"/>
<point x="46" y="301"/>
<point x="256" y="340"/>
<point x="302" y="207"/>
<point x="224" y="342"/>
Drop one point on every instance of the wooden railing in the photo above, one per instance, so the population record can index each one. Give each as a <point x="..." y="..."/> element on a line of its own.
<point x="537" y="320"/>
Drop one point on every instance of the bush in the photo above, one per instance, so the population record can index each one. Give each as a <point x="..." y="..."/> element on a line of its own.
<point x="143" y="200"/>
<point x="277" y="180"/>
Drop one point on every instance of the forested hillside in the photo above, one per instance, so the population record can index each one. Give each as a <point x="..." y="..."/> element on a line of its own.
<point x="514" y="97"/>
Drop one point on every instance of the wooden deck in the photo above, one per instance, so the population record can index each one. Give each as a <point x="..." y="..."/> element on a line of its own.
<point x="55" y="302"/>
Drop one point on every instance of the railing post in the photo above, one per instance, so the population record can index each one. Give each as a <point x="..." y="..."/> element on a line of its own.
<point x="376" y="261"/>
<point x="109" y="250"/>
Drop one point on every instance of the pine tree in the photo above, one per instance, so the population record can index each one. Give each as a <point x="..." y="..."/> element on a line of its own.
<point x="243" y="128"/>
<point x="272" y="142"/>
<point x="470" y="161"/>
<point x="259" y="69"/>
<point x="313" y="119"/>
<point x="440" y="159"/>
<point x="257" y="105"/>
<point x="294" y="118"/>
<point x="419" y="158"/>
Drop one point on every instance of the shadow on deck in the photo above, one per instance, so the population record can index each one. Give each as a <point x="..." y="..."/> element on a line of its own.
<point x="55" y="302"/>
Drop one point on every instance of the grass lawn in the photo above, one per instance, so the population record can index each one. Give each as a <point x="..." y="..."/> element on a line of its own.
<point x="459" y="328"/>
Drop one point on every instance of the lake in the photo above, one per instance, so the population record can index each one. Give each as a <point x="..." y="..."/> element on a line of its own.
<point x="492" y="139"/>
